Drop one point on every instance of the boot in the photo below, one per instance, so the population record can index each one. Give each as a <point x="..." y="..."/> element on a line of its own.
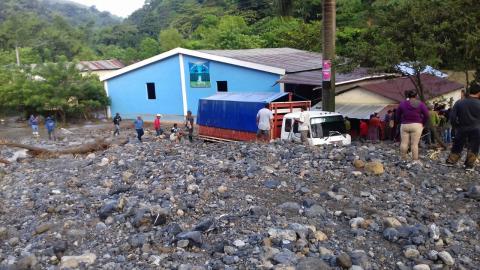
<point x="470" y="160"/>
<point x="453" y="158"/>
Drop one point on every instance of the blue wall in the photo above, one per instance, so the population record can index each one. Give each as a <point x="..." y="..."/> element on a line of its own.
<point x="239" y="80"/>
<point x="128" y="92"/>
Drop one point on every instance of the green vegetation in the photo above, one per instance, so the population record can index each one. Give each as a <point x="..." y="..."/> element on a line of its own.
<point x="371" y="33"/>
<point x="51" y="89"/>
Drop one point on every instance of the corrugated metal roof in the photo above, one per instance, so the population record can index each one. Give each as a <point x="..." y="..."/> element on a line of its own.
<point x="247" y="97"/>
<point x="358" y="111"/>
<point x="314" y="77"/>
<point x="292" y="60"/>
<point x="395" y="88"/>
<point x="112" y="64"/>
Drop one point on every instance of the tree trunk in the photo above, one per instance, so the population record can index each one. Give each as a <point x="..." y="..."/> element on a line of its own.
<point x="17" y="54"/>
<point x="329" y="26"/>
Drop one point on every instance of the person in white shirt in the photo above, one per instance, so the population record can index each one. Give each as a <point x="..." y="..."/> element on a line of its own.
<point x="264" y="123"/>
<point x="303" y="127"/>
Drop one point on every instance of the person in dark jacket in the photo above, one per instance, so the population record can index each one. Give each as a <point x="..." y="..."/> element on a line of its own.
<point x="465" y="117"/>
<point x="189" y="125"/>
<point x="413" y="116"/>
<point x="116" y="122"/>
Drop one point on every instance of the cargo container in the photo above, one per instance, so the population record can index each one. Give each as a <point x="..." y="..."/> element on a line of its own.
<point x="232" y="116"/>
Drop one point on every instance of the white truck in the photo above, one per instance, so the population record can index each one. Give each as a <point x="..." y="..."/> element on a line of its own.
<point x="324" y="128"/>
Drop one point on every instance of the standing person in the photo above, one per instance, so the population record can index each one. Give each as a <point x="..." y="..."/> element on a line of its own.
<point x="304" y="125"/>
<point x="413" y="115"/>
<point x="388" y="123"/>
<point x="373" y="128"/>
<point x="50" y="126"/>
<point x="156" y="125"/>
<point x="116" y="122"/>
<point x="465" y="117"/>
<point x="395" y="126"/>
<point x="189" y="125"/>
<point x="33" y="122"/>
<point x="432" y="124"/>
<point x="139" y="127"/>
<point x="446" y="126"/>
<point x="264" y="123"/>
<point x="363" y="130"/>
<point x="348" y="125"/>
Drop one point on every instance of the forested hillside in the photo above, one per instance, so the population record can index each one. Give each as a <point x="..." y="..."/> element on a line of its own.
<point x="442" y="33"/>
<point x="74" y="13"/>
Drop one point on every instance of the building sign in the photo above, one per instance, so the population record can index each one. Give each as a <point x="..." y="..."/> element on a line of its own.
<point x="327" y="70"/>
<point x="200" y="74"/>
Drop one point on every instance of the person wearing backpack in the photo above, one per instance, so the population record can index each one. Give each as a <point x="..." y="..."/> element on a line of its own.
<point x="116" y="122"/>
<point x="50" y="126"/>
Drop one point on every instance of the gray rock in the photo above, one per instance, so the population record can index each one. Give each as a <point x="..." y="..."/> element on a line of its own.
<point x="344" y="260"/>
<point x="446" y="258"/>
<point x="474" y="192"/>
<point x="290" y="207"/>
<point x="194" y="236"/>
<point x="421" y="267"/>
<point x="315" y="211"/>
<point x="272" y="184"/>
<point x="360" y="258"/>
<point x="107" y="209"/>
<point x="183" y="243"/>
<point x="285" y="257"/>
<point x="312" y="264"/>
<point x="204" y="225"/>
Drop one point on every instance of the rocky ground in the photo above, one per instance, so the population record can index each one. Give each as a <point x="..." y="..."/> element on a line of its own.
<point x="161" y="205"/>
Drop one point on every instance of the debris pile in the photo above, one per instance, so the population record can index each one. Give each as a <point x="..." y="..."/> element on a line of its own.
<point x="238" y="206"/>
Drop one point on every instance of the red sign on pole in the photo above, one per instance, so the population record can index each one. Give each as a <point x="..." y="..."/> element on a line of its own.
<point x="327" y="70"/>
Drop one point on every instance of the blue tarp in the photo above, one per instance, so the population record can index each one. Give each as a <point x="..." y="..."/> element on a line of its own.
<point x="236" y="111"/>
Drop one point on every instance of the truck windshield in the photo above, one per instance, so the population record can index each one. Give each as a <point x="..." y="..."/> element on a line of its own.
<point x="323" y="126"/>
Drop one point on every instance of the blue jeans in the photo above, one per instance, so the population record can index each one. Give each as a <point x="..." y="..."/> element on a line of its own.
<point x="35" y="128"/>
<point x="447" y="135"/>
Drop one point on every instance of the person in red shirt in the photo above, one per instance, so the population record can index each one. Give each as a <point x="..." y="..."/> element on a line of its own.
<point x="374" y="128"/>
<point x="156" y="125"/>
<point x="363" y="130"/>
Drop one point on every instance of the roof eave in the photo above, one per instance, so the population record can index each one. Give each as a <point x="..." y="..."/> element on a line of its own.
<point x="193" y="53"/>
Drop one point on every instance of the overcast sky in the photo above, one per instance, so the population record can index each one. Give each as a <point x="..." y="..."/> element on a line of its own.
<point x="121" y="8"/>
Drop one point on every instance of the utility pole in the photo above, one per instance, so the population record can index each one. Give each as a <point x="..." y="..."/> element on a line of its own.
<point x="328" y="69"/>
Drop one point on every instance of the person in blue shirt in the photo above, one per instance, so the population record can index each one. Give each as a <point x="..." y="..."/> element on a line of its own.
<point x="50" y="126"/>
<point x="33" y="122"/>
<point x="139" y="127"/>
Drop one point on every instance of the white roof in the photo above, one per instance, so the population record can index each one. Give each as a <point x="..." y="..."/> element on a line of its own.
<point x="193" y="53"/>
<point x="312" y="114"/>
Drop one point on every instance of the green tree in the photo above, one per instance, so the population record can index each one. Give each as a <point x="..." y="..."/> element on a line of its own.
<point x="170" y="39"/>
<point x="148" y="48"/>
<point x="52" y="88"/>
<point x="279" y="32"/>
<point x="403" y="31"/>
<point x="19" y="31"/>
<point x="231" y="32"/>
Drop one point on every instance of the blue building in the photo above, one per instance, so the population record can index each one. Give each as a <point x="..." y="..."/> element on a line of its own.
<point x="173" y="82"/>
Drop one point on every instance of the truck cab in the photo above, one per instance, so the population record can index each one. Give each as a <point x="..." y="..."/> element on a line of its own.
<point x="324" y="128"/>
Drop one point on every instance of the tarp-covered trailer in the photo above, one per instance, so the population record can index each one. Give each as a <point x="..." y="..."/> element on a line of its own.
<point x="232" y="116"/>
